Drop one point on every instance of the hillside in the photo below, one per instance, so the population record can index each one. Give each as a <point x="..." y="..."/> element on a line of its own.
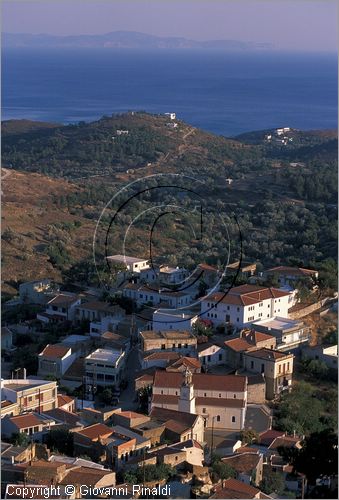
<point x="58" y="179"/>
<point x="30" y="224"/>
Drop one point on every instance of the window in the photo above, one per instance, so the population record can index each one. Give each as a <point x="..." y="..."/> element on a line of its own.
<point x="238" y="309"/>
<point x="233" y="419"/>
<point x="179" y="345"/>
<point x="279" y="369"/>
<point x="288" y="366"/>
<point x="218" y="418"/>
<point x="162" y="392"/>
<point x="228" y="308"/>
<point x="252" y="364"/>
<point x="173" y="345"/>
<point x="204" y="410"/>
<point x="262" y="367"/>
<point x="205" y="394"/>
<point x="238" y="320"/>
<point x="234" y="396"/>
<point x="227" y="318"/>
<point x="186" y="345"/>
<point x="163" y="346"/>
<point x="208" y="358"/>
<point x="220" y="357"/>
<point x="219" y="395"/>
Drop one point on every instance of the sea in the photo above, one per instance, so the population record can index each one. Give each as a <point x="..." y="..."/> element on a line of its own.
<point x="227" y="93"/>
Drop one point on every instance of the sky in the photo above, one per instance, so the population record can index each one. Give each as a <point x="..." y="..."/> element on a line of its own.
<point x="301" y="25"/>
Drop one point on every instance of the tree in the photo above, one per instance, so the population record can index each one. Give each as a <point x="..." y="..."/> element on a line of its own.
<point x="249" y="436"/>
<point x="300" y="411"/>
<point x="106" y="396"/>
<point x="20" y="439"/>
<point x="201" y="329"/>
<point x="317" y="456"/>
<point x="318" y="368"/>
<point x="272" y="482"/>
<point x="221" y="470"/>
<point x="60" y="440"/>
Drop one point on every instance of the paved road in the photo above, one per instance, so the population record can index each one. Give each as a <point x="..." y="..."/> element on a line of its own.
<point x="126" y="400"/>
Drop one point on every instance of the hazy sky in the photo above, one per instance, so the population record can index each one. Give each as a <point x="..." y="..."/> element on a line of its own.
<point x="289" y="24"/>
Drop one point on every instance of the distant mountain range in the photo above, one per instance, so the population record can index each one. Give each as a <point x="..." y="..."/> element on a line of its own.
<point x="124" y="40"/>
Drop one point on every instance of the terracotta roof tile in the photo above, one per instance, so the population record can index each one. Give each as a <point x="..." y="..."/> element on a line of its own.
<point x="238" y="345"/>
<point x="286" y="441"/>
<point x="296" y="271"/>
<point x="27" y="420"/>
<point x="265" y="353"/>
<point x="63" y="399"/>
<point x="232" y="488"/>
<point x="246" y="295"/>
<point x="55" y="351"/>
<point x="86" y="475"/>
<point x="243" y="462"/>
<point x="95" y="431"/>
<point x="202" y="381"/>
<point x="267" y="437"/>
<point x="63" y="299"/>
<point x="164" y="415"/>
<point x="222" y="402"/>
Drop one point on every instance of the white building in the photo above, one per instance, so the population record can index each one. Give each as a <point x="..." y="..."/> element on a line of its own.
<point x="172" y="320"/>
<point x="133" y="264"/>
<point x="36" y="292"/>
<point x="105" y="367"/>
<point x="30" y="394"/>
<point x="172" y="116"/>
<point x="172" y="275"/>
<point x="145" y="295"/>
<point x="290" y="334"/>
<point x="244" y="304"/>
<point x="210" y="354"/>
<point x="60" y="308"/>
<point x="55" y="360"/>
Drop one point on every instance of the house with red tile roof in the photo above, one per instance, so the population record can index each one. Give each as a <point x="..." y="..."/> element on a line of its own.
<point x="28" y="423"/>
<point x="129" y="419"/>
<point x="249" y="340"/>
<point x="158" y="359"/>
<point x="248" y="467"/>
<point x="233" y="488"/>
<point x="179" y="426"/>
<point x="242" y="305"/>
<point x="291" y="276"/>
<point x="55" y="359"/>
<point x="220" y="399"/>
<point x="66" y="402"/>
<point x="60" y="308"/>
<point x="184" y="363"/>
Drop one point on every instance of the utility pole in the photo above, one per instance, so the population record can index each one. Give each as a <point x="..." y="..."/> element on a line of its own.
<point x="212" y="436"/>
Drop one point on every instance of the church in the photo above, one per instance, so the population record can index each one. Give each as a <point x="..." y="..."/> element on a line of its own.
<point x="220" y="399"/>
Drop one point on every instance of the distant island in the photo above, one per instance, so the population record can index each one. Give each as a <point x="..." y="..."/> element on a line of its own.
<point x="124" y="40"/>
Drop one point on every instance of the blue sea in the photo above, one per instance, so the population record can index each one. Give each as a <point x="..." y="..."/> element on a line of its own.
<point x="222" y="92"/>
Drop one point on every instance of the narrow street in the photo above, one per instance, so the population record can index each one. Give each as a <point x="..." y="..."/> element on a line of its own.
<point x="126" y="400"/>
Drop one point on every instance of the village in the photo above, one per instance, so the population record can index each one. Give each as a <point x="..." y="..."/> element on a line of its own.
<point x="149" y="385"/>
